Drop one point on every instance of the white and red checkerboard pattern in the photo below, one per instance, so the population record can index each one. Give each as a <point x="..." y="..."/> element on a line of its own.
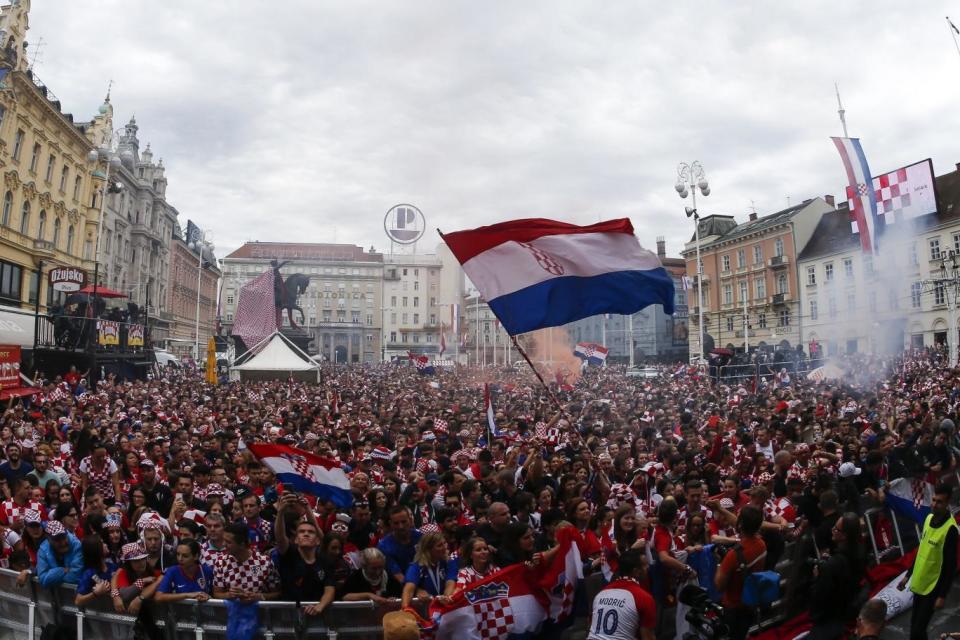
<point x="892" y="191"/>
<point x="494" y="618"/>
<point x="258" y="574"/>
<point x="256" y="316"/>
<point x="11" y="514"/>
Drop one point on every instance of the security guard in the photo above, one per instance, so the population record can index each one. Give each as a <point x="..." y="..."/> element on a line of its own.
<point x="935" y="564"/>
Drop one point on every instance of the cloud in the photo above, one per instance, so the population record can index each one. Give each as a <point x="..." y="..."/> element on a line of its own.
<point x="307" y="120"/>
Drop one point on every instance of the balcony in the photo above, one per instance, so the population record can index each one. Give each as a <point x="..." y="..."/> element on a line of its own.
<point x="391" y="274"/>
<point x="335" y="324"/>
<point x="696" y="280"/>
<point x="144" y="230"/>
<point x="44" y="247"/>
<point x="780" y="298"/>
<point x="779" y="262"/>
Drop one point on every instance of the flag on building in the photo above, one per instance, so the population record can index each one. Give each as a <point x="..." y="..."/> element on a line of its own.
<point x="539" y="273"/>
<point x="687" y="282"/>
<point x="593" y="353"/>
<point x="860" y="192"/>
<point x="256" y="317"/>
<point x="305" y="472"/>
<point x="910" y="498"/>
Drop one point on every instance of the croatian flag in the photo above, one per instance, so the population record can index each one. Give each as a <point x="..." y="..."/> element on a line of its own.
<point x="910" y="498"/>
<point x="860" y="192"/>
<point x="305" y="472"/>
<point x="422" y="363"/>
<point x="595" y="354"/>
<point x="539" y="273"/>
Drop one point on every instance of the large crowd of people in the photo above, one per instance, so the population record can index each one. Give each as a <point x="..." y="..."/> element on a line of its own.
<point x="145" y="491"/>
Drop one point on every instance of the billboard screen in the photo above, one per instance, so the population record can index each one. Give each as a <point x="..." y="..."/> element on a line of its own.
<point x="908" y="192"/>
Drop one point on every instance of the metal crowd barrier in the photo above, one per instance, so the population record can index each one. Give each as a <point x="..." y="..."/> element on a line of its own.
<point x="24" y="611"/>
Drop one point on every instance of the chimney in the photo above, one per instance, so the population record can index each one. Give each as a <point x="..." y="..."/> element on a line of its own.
<point x="830" y="200"/>
<point x="661" y="247"/>
<point x="752" y="216"/>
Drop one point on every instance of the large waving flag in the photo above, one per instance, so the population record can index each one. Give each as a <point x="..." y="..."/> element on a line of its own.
<point x="595" y="354"/>
<point x="539" y="273"/>
<point x="257" y="316"/>
<point x="910" y="498"/>
<point x="860" y="191"/>
<point x="306" y="472"/>
<point x="422" y="363"/>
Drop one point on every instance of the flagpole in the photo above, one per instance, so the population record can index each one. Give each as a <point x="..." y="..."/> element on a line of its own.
<point x="953" y="32"/>
<point x="842" y="111"/>
<point x="537" y="373"/>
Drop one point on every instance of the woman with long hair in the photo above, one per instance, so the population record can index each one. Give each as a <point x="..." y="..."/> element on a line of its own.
<point x="69" y="515"/>
<point x="431" y="574"/>
<point x="135" y="582"/>
<point x="129" y="472"/>
<point x="51" y="497"/>
<point x="114" y="537"/>
<point x="136" y="507"/>
<point x="33" y="534"/>
<point x="188" y="579"/>
<point x="578" y="513"/>
<point x="97" y="571"/>
<point x="333" y="558"/>
<point x="474" y="562"/>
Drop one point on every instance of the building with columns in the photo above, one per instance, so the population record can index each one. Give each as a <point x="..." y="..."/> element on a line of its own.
<point x="188" y="312"/>
<point x="342" y="306"/>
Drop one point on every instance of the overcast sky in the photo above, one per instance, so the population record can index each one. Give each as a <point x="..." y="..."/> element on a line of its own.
<point x="300" y="120"/>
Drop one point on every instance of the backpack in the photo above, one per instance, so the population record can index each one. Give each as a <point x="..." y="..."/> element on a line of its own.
<point x="760" y="588"/>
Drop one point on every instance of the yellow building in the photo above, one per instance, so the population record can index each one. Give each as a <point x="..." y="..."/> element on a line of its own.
<point x="49" y="202"/>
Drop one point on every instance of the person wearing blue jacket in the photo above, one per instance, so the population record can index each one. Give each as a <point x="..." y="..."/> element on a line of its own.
<point x="59" y="558"/>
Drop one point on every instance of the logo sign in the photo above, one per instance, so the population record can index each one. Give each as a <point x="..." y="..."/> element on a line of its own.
<point x="108" y="332"/>
<point x="67" y="279"/>
<point x="404" y="224"/>
<point x="9" y="367"/>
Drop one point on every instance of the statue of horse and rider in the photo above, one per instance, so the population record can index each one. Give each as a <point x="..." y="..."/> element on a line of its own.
<point x="286" y="293"/>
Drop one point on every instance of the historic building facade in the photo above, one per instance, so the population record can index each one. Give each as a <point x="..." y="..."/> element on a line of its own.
<point x="187" y="311"/>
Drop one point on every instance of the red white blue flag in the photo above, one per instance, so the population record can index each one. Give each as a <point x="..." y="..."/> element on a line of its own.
<point x="305" y="472"/>
<point x="539" y="273"/>
<point x="860" y="192"/>
<point x="593" y="353"/>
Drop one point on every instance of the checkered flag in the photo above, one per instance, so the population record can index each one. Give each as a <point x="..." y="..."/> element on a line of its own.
<point x="256" y="316"/>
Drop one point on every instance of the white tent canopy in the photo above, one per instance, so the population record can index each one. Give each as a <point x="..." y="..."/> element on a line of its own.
<point x="276" y="357"/>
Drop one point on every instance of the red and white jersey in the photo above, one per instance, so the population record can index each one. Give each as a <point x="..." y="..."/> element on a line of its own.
<point x="620" y="610"/>
<point x="12" y="514"/>
<point x="780" y="507"/>
<point x="683" y="515"/>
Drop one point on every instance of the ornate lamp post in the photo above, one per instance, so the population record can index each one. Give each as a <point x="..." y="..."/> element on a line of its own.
<point x="691" y="177"/>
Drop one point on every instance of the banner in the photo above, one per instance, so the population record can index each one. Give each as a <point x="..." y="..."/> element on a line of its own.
<point x="135" y="335"/>
<point x="9" y="367"/>
<point x="108" y="332"/>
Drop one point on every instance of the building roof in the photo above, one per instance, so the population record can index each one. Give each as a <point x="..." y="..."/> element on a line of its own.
<point x="833" y="234"/>
<point x="304" y="251"/>
<point x="714" y="225"/>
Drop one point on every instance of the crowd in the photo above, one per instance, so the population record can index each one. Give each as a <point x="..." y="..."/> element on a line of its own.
<point x="144" y="491"/>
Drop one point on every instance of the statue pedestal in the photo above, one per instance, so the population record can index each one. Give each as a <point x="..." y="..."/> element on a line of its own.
<point x="299" y="337"/>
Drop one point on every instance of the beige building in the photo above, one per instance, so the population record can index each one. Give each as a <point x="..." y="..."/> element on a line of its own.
<point x="187" y="311"/>
<point x="750" y="278"/>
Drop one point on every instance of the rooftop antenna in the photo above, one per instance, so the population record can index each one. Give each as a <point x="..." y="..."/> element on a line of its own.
<point x="36" y="53"/>
<point x="954" y="32"/>
<point x="841" y="111"/>
<point x="753" y="206"/>
<point x="109" y="87"/>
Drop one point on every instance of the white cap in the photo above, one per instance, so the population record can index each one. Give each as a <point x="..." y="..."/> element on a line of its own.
<point x="848" y="469"/>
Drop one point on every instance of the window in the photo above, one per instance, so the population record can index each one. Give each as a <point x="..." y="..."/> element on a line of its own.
<point x="743" y="290"/>
<point x="832" y="307"/>
<point x="757" y="254"/>
<point x="11" y="278"/>
<point x="729" y="323"/>
<point x="35" y="158"/>
<point x="3" y="112"/>
<point x="416" y="318"/>
<point x="915" y="291"/>
<point x="741" y="258"/>
<point x="70" y="237"/>
<point x="782" y="283"/>
<point x="393" y="318"/>
<point x="828" y="272"/>
<point x="851" y="302"/>
<point x="369" y="319"/>
<point x="727" y="294"/>
<point x="872" y="301"/>
<point x="51" y="162"/>
<point x="393" y="336"/>
<point x="914" y="255"/>
<point x="934" y="248"/>
<point x="355" y="317"/>
<point x="25" y="219"/>
<point x="761" y="288"/>
<point x="229" y="299"/>
<point x="18" y="145"/>
<point x="762" y="321"/>
<point x="868" y="265"/>
<point x="405" y="317"/>
<point x="64" y="173"/>
<point x="404" y="272"/>
<point x="811" y="275"/>
<point x="7" y="207"/>
<point x="813" y="309"/>
<point x="784" y="317"/>
<point x="416" y="301"/>
<point x="892" y="299"/>
<point x="56" y="233"/>
<point x="725" y="260"/>
<point x="778" y="248"/>
<point x="416" y="285"/>
<point x="404" y="301"/>
<point x="956" y="243"/>
<point x="939" y="294"/>
<point x="88" y="249"/>
<point x="393" y="301"/>
<point x="848" y="267"/>
<point x="76" y="187"/>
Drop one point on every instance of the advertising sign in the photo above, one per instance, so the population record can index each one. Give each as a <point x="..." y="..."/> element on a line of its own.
<point x="67" y="279"/>
<point x="908" y="192"/>
<point x="9" y="367"/>
<point x="108" y="332"/>
<point x="404" y="224"/>
<point x="135" y="335"/>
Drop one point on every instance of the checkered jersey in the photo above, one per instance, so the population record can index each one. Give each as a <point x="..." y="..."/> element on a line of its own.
<point x="257" y="574"/>
<point x="780" y="507"/>
<point x="683" y="515"/>
<point x="11" y="514"/>
<point x="101" y="478"/>
<point x="209" y="555"/>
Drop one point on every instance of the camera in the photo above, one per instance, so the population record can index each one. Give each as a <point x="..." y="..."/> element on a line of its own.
<point x="705" y="615"/>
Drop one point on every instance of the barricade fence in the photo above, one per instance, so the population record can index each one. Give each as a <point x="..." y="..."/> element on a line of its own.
<point x="745" y="373"/>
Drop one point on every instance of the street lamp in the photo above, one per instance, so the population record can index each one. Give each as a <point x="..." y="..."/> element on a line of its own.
<point x="691" y="177"/>
<point x="198" y="245"/>
<point x="111" y="159"/>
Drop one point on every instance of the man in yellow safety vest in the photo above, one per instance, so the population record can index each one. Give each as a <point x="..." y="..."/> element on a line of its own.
<point x="935" y="565"/>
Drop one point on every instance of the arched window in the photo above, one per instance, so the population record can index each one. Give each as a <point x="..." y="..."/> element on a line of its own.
<point x="70" y="234"/>
<point x="42" y="225"/>
<point x="25" y="219"/>
<point x="7" y="208"/>
<point x="76" y="187"/>
<point x="56" y="233"/>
